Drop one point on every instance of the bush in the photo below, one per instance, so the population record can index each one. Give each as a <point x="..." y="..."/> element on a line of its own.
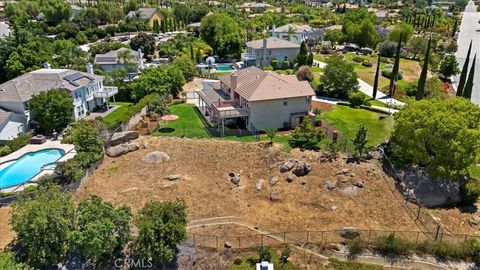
<point x="367" y="63"/>
<point x="387" y="73"/>
<point x="274" y="64"/>
<point x="358" y="59"/>
<point x="470" y="191"/>
<point x="394" y="245"/>
<point x="356" y="246"/>
<point x="286" y="64"/>
<point x="388" y="48"/>
<point x="15" y="144"/>
<point x="356" y="99"/>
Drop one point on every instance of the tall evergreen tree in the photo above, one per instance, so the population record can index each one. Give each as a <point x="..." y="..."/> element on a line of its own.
<point x="377" y="74"/>
<point x="396" y="68"/>
<point x="469" y="85"/>
<point x="423" y="75"/>
<point x="463" y="75"/>
<point x="302" y="54"/>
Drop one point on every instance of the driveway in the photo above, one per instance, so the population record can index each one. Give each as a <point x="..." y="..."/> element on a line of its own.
<point x="470" y="31"/>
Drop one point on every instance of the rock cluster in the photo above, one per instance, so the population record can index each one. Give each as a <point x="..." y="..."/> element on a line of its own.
<point x="349" y="232"/>
<point x="297" y="167"/>
<point x="122" y="149"/>
<point x="123" y="137"/>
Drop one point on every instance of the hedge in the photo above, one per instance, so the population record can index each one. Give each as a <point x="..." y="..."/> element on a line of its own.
<point x="16" y="143"/>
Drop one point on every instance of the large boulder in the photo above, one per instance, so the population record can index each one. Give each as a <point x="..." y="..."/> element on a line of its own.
<point x="123" y="137"/>
<point x="302" y="168"/>
<point x="122" y="149"/>
<point x="287" y="166"/>
<point x="349" y="232"/>
<point x="155" y="157"/>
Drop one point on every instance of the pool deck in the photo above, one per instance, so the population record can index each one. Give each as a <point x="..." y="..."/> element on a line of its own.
<point x="69" y="149"/>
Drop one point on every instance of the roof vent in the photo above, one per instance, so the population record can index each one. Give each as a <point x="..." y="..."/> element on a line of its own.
<point x="2" y="90"/>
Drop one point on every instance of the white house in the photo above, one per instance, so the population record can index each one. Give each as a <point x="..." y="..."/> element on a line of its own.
<point x="114" y="60"/>
<point x="261" y="52"/>
<point x="86" y="89"/>
<point x="262" y="99"/>
<point x="292" y="32"/>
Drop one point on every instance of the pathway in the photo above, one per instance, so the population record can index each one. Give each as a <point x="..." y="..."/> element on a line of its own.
<point x="415" y="263"/>
<point x="367" y="89"/>
<point x="470" y="31"/>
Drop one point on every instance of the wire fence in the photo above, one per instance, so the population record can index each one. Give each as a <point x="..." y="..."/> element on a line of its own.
<point x="319" y="239"/>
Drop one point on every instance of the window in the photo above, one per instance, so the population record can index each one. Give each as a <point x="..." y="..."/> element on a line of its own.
<point x="285" y="102"/>
<point x="308" y="100"/>
<point x="269" y="52"/>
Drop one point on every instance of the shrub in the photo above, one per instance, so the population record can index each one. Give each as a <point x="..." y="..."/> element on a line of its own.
<point x="358" y="59"/>
<point x="367" y="63"/>
<point x="267" y="68"/>
<point x="394" y="245"/>
<point x="5" y="150"/>
<point x="264" y="254"/>
<point x="470" y="191"/>
<point x="388" y="48"/>
<point x="15" y="144"/>
<point x="356" y="99"/>
<point x="387" y="73"/>
<point x="237" y="261"/>
<point x="286" y="64"/>
<point x="356" y="246"/>
<point x="446" y="251"/>
<point x="274" y="64"/>
<point x="304" y="73"/>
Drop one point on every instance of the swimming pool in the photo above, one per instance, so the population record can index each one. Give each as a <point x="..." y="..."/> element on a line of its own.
<point x="224" y="67"/>
<point x="27" y="166"/>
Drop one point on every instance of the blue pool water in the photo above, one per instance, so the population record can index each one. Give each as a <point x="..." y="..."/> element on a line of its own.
<point x="27" y="166"/>
<point x="224" y="67"/>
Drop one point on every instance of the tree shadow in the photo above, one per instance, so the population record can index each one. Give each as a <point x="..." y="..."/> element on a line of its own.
<point x="166" y="130"/>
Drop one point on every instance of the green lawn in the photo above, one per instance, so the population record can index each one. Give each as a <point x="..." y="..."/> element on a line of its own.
<point x="347" y="120"/>
<point x="190" y="124"/>
<point x="116" y="115"/>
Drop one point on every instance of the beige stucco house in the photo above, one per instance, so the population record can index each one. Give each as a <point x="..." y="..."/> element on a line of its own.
<point x="262" y="99"/>
<point x="292" y="32"/>
<point x="261" y="52"/>
<point x="149" y="14"/>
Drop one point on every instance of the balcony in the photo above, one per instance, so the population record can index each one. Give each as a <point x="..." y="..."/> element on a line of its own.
<point x="229" y="109"/>
<point x="107" y="91"/>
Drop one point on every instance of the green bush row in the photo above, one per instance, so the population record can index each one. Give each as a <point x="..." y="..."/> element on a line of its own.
<point x="15" y="144"/>
<point x="392" y="245"/>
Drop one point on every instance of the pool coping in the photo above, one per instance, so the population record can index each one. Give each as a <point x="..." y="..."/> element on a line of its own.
<point x="69" y="152"/>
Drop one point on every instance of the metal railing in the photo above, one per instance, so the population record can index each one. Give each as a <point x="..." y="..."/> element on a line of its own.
<point x="108" y="91"/>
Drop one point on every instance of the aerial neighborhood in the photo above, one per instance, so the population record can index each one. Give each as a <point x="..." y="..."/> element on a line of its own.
<point x="299" y="134"/>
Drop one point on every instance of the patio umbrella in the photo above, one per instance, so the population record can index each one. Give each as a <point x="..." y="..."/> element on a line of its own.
<point x="168" y="117"/>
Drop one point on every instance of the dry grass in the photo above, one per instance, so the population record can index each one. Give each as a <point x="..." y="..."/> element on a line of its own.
<point x="204" y="166"/>
<point x="6" y="233"/>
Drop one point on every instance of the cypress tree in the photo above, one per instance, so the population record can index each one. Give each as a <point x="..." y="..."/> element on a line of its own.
<point x="469" y="85"/>
<point x="423" y="75"/>
<point x="455" y="25"/>
<point x="463" y="75"/>
<point x="310" y="59"/>
<point x="192" y="56"/>
<point x="377" y="74"/>
<point x="302" y="54"/>
<point x="393" y="76"/>
<point x="433" y="21"/>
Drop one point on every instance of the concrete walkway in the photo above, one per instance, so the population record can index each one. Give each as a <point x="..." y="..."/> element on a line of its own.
<point x="368" y="89"/>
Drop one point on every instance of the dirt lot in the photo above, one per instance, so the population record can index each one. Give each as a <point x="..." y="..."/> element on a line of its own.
<point x="6" y="234"/>
<point x="205" y="186"/>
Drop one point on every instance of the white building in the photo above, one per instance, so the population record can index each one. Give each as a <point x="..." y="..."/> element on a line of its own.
<point x="261" y="52"/>
<point x="86" y="89"/>
<point x="292" y="32"/>
<point x="124" y="58"/>
<point x="262" y="99"/>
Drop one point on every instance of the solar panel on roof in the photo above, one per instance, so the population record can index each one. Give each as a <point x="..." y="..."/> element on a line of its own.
<point x="76" y="76"/>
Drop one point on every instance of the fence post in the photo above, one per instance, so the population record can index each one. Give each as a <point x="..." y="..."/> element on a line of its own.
<point x="344" y="145"/>
<point x="418" y="213"/>
<point x="369" y="234"/>
<point x="284" y="236"/>
<point x="194" y="242"/>
<point x="437" y="233"/>
<point x="466" y="237"/>
<point x="308" y="236"/>
<point x="239" y="242"/>
<point x="216" y="242"/>
<point x="321" y="240"/>
<point x="416" y="239"/>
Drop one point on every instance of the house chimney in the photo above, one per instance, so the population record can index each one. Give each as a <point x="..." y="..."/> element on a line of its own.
<point x="47" y="66"/>
<point x="90" y="68"/>
<point x="274" y="29"/>
<point x="233" y="84"/>
<point x="264" y="53"/>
